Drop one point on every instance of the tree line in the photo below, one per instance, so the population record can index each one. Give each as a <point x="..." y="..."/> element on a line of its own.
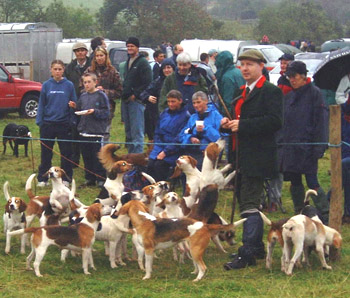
<point x="154" y="21"/>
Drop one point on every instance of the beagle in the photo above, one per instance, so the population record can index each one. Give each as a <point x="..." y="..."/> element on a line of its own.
<point x="188" y="165"/>
<point x="302" y="232"/>
<point x="14" y="218"/>
<point x="152" y="233"/>
<point x="79" y="237"/>
<point x="210" y="173"/>
<point x="275" y="233"/>
<point x="153" y="195"/>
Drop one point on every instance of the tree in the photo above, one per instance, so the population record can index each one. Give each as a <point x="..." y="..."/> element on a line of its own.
<point x="155" y="20"/>
<point x="20" y="11"/>
<point x="290" y="20"/>
<point x="75" y="22"/>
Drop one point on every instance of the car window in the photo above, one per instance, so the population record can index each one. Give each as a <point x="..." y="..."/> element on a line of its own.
<point x="272" y="54"/>
<point x="118" y="56"/>
<point x="3" y="76"/>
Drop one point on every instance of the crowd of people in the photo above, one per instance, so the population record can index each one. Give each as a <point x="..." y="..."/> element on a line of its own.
<point x="175" y="106"/>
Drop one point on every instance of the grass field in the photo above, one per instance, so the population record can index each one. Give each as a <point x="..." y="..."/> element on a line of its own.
<point x="169" y="278"/>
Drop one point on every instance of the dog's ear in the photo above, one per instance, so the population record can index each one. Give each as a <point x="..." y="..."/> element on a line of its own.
<point x="65" y="174"/>
<point x="46" y="174"/>
<point x="177" y="173"/>
<point x="94" y="212"/>
<point x="22" y="206"/>
<point x="124" y="209"/>
<point x="337" y="240"/>
<point x="161" y="204"/>
<point x="212" y="152"/>
<point x="7" y="207"/>
<point x="193" y="161"/>
<point x="112" y="175"/>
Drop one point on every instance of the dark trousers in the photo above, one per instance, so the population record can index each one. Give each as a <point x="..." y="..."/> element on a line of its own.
<point x="52" y="131"/>
<point x="296" y="179"/>
<point x="159" y="169"/>
<point x="92" y="164"/>
<point x="249" y="190"/>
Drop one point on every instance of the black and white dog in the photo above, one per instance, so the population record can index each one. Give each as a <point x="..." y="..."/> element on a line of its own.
<point x="15" y="133"/>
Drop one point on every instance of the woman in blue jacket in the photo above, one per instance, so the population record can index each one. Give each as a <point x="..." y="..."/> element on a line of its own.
<point x="202" y="128"/>
<point x="55" y="118"/>
<point x="171" y="122"/>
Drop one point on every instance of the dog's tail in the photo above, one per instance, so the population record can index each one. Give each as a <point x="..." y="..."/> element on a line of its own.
<point x="23" y="231"/>
<point x="29" y="191"/>
<point x="230" y="227"/>
<point x="265" y="219"/>
<point x="6" y="191"/>
<point x="149" y="178"/>
<point x="307" y="196"/>
<point x="107" y="156"/>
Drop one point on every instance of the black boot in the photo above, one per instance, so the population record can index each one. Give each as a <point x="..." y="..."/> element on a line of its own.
<point x="253" y="247"/>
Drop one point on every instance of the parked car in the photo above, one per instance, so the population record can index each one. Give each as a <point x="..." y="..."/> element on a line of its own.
<point x="17" y="95"/>
<point x="335" y="44"/>
<point x="311" y="59"/>
<point x="270" y="52"/>
<point x="287" y="48"/>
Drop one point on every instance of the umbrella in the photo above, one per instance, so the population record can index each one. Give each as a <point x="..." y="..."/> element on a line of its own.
<point x="331" y="70"/>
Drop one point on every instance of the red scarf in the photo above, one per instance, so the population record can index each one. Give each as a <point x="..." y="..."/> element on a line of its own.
<point x="240" y="102"/>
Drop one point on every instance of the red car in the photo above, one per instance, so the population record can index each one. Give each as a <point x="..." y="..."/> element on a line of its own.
<point x="17" y="95"/>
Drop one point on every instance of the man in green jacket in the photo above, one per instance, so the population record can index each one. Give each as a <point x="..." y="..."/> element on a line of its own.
<point x="138" y="75"/>
<point x="186" y="79"/>
<point x="257" y="116"/>
<point x="229" y="78"/>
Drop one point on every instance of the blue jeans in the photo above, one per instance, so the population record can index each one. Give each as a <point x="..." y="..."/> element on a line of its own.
<point x="134" y="123"/>
<point x="346" y="184"/>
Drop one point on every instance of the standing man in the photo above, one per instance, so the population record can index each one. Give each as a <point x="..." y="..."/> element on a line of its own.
<point x="283" y="83"/>
<point x="73" y="73"/>
<point x="178" y="49"/>
<point x="158" y="58"/>
<point x="257" y="116"/>
<point x="212" y="57"/>
<point x="138" y="75"/>
<point x="207" y="73"/>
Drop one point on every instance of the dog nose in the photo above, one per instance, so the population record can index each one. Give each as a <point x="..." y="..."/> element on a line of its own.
<point x="12" y="207"/>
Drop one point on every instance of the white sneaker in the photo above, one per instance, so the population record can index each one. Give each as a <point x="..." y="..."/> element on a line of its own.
<point x="66" y="183"/>
<point x="42" y="184"/>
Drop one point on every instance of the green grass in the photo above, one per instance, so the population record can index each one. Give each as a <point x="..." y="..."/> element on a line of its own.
<point x="169" y="278"/>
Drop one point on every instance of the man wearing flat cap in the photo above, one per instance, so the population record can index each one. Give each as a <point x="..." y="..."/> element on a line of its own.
<point x="305" y="121"/>
<point x="137" y="76"/>
<point x="256" y="116"/>
<point x="73" y="73"/>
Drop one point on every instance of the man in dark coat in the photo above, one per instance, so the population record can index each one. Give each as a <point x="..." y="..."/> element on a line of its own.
<point x="257" y="116"/>
<point x="305" y="121"/>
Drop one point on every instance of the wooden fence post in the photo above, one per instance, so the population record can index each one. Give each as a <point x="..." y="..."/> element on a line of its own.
<point x="335" y="211"/>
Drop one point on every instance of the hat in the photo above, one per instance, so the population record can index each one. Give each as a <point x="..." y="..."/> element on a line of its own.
<point x="288" y="57"/>
<point x="134" y="41"/>
<point x="80" y="45"/>
<point x="252" y="54"/>
<point x="296" y="67"/>
<point x="212" y="52"/>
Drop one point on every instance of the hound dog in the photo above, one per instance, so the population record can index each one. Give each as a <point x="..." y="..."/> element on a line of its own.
<point x="210" y="172"/>
<point x="14" y="218"/>
<point x="152" y="233"/>
<point x="108" y="158"/>
<point x="16" y="133"/>
<point x="188" y="165"/>
<point x="302" y="232"/>
<point x="275" y="233"/>
<point x="79" y="237"/>
<point x="153" y="195"/>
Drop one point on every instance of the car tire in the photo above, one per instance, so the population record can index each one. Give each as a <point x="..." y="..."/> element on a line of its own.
<point x="29" y="106"/>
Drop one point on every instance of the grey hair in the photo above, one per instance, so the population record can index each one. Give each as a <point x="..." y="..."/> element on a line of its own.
<point x="200" y="94"/>
<point x="183" y="58"/>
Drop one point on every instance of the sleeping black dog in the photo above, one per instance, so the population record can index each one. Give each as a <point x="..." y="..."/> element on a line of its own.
<point x="14" y="132"/>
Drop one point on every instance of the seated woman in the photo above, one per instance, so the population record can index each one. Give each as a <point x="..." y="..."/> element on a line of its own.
<point x="171" y="122"/>
<point x="202" y="128"/>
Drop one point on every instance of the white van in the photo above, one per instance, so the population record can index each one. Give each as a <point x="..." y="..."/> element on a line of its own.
<point x="195" y="47"/>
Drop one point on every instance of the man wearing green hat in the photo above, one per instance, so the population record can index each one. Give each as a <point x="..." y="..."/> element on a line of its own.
<point x="256" y="116"/>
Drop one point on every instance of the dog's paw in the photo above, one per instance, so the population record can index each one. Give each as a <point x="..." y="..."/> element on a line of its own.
<point x="147" y="276"/>
<point x="87" y="273"/>
<point x="328" y="267"/>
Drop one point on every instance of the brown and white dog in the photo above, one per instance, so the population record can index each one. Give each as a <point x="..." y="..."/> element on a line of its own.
<point x="188" y="165"/>
<point x="152" y="233"/>
<point x="79" y="237"/>
<point x="302" y="232"/>
<point x="210" y="172"/>
<point x="14" y="218"/>
<point x="153" y="195"/>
